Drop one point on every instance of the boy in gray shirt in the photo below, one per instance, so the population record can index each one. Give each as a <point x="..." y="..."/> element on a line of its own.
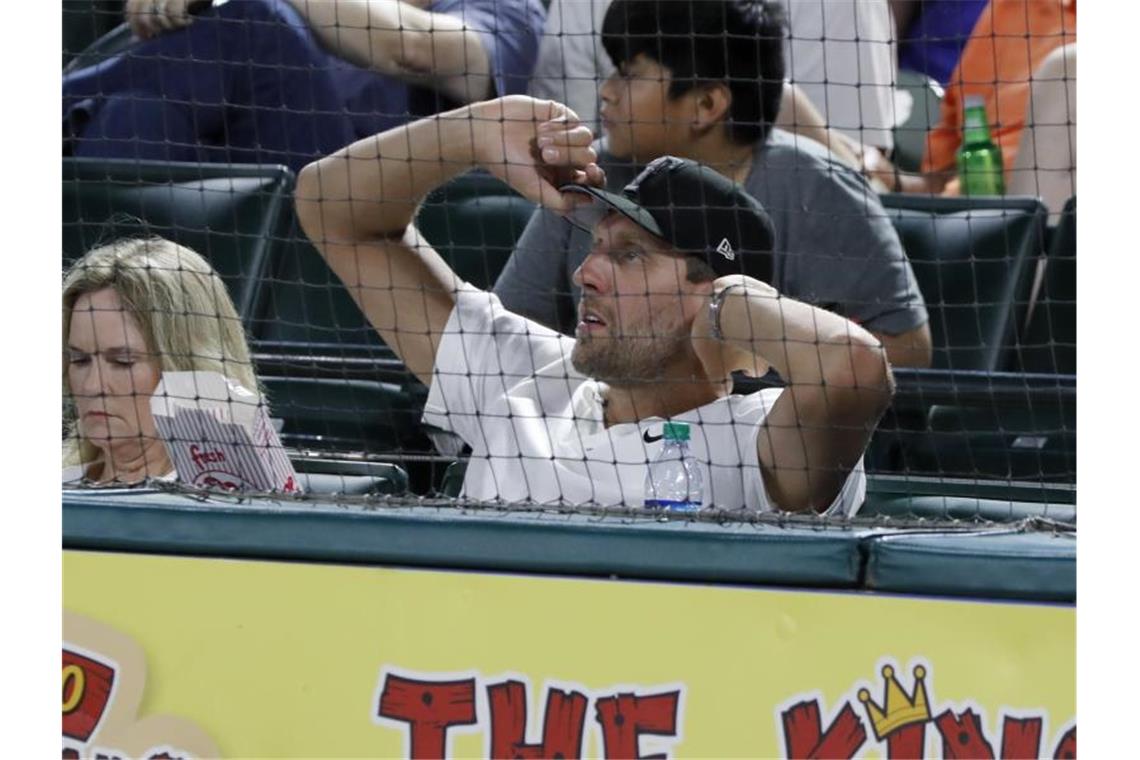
<point x="712" y="97"/>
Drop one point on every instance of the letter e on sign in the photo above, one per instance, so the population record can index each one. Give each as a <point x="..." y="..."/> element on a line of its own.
<point x="87" y="686"/>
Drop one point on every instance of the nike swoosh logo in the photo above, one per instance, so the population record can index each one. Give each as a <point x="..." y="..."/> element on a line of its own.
<point x="651" y="438"/>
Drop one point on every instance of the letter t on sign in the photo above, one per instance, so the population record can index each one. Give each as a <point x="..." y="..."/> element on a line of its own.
<point x="430" y="708"/>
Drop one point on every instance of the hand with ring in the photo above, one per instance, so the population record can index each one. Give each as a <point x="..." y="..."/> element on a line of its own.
<point x="149" y="18"/>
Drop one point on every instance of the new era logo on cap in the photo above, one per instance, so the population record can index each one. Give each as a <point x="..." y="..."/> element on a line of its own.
<point x="725" y="249"/>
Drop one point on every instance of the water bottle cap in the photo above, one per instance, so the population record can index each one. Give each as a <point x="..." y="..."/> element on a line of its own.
<point x="676" y="431"/>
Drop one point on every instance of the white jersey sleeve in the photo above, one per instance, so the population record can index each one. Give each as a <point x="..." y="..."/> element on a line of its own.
<point x="485" y="350"/>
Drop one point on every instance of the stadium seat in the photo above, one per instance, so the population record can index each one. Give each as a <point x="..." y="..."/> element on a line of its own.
<point x="910" y="136"/>
<point x="347" y="415"/>
<point x="972" y="258"/>
<point x="1049" y="343"/>
<point x="453" y="476"/>
<point x="332" y="477"/>
<point x="969" y="424"/>
<point x="85" y="22"/>
<point x="1032" y="441"/>
<point x="304" y="307"/>
<point x="231" y="214"/>
<point x="472" y="221"/>
<point x="944" y="499"/>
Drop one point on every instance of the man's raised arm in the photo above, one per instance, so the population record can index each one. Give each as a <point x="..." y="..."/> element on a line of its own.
<point x="357" y="205"/>
<point x="838" y="379"/>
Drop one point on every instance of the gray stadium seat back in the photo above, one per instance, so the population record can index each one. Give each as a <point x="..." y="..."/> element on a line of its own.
<point x="347" y="415"/>
<point x="972" y="259"/>
<point x="475" y="234"/>
<point x="231" y="214"/>
<point x="473" y="222"/>
<point x="1034" y="442"/>
<point x="302" y="304"/>
<point x="92" y="31"/>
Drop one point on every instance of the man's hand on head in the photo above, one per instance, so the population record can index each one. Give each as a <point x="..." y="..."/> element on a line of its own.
<point x="536" y="146"/>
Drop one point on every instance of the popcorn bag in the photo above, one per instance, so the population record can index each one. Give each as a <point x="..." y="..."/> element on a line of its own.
<point x="219" y="435"/>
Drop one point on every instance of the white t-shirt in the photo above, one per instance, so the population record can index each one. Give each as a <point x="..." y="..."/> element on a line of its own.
<point x="572" y="64"/>
<point x="506" y="386"/>
<point x="842" y="54"/>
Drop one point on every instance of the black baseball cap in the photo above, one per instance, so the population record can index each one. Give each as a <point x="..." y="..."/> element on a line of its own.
<point x="696" y="209"/>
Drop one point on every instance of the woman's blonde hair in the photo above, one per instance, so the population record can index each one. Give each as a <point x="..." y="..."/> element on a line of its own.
<point x="180" y="304"/>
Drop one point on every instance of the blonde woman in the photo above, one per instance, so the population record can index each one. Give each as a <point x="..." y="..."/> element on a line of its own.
<point x="132" y="310"/>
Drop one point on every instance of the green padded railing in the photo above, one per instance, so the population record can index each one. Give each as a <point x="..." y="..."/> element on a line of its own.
<point x="444" y="536"/>
<point x="1032" y="560"/>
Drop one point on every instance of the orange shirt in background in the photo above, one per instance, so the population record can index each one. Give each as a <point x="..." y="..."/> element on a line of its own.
<point x="1010" y="40"/>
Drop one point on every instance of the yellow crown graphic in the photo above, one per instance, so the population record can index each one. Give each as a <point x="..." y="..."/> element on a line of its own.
<point x="899" y="710"/>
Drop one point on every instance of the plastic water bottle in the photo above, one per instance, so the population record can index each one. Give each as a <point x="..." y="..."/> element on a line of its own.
<point x="674" y="481"/>
<point x="980" y="165"/>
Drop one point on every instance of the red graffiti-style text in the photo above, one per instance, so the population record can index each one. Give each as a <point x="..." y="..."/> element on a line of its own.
<point x="803" y="739"/>
<point x="561" y="727"/>
<point x="1020" y="739"/>
<point x="1067" y="747"/>
<point x="430" y="708"/>
<point x="626" y="717"/>
<point x="86" y="690"/>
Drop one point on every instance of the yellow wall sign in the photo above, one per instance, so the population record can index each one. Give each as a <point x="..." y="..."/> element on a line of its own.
<point x="173" y="657"/>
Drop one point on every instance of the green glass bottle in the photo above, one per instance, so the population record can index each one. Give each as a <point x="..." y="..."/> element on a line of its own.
<point x="979" y="159"/>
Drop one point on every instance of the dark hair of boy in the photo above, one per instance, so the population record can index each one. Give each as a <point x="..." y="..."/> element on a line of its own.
<point x="735" y="42"/>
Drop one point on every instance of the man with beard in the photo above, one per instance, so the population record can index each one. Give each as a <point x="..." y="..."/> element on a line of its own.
<point x="673" y="298"/>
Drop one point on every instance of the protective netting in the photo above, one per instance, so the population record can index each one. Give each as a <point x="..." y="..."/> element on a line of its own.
<point x="828" y="135"/>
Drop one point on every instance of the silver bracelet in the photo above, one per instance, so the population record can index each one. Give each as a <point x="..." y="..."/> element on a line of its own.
<point x="714" y="309"/>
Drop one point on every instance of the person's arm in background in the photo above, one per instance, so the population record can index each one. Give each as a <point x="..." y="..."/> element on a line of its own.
<point x="402" y="39"/>
<point x="357" y="206"/>
<point x="838" y="384"/>
<point x="798" y="114"/>
<point x="888" y="177"/>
